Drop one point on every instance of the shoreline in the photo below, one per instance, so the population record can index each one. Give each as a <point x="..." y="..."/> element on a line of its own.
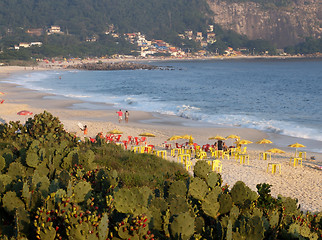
<point x="302" y="183"/>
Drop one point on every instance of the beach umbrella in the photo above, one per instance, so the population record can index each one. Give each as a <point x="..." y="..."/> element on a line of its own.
<point x="275" y="150"/>
<point x="244" y="142"/>
<point x="296" y="145"/>
<point x="232" y="136"/>
<point x="217" y="137"/>
<point x="264" y="141"/>
<point x="24" y="113"/>
<point x="146" y="134"/>
<point x="187" y="137"/>
<point x="174" y="137"/>
<point x="115" y="131"/>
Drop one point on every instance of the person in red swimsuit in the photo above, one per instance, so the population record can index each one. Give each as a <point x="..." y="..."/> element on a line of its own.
<point x="120" y="114"/>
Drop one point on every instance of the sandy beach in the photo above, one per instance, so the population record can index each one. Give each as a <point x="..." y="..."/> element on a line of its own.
<point x="303" y="183"/>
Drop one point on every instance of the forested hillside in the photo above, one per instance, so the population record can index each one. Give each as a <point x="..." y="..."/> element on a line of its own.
<point x="84" y="17"/>
<point x="237" y="24"/>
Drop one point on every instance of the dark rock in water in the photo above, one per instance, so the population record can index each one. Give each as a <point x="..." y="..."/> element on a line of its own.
<point x="116" y="66"/>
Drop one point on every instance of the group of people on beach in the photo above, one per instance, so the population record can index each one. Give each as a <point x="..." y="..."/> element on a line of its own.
<point x="120" y="116"/>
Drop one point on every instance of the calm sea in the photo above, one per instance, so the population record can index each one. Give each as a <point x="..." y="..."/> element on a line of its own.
<point x="276" y="96"/>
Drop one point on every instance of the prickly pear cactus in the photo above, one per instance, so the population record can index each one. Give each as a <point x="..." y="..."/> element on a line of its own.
<point x="32" y="159"/>
<point x="133" y="201"/>
<point x="182" y="226"/>
<point x="198" y="188"/>
<point x="226" y="203"/>
<point x="16" y="170"/>
<point x="202" y="169"/>
<point x="210" y="205"/>
<point x="103" y="227"/>
<point x="214" y="179"/>
<point x="178" y="205"/>
<point x="240" y="193"/>
<point x="178" y="188"/>
<point x="2" y="163"/>
<point x="11" y="202"/>
<point x="82" y="191"/>
<point x="290" y="205"/>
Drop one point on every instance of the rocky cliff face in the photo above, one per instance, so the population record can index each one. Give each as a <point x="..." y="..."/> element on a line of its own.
<point x="282" y="26"/>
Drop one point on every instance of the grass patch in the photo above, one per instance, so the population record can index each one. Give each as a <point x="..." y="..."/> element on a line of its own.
<point x="138" y="169"/>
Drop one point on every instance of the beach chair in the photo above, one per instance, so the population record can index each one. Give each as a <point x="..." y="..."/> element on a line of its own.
<point x="216" y="165"/>
<point x="142" y="140"/>
<point x="117" y="138"/>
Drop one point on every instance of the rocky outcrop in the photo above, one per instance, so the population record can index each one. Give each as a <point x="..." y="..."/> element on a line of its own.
<point x="114" y="66"/>
<point x="283" y="26"/>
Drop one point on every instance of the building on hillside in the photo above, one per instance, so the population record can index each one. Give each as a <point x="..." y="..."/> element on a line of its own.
<point x="188" y="34"/>
<point x="182" y="36"/>
<point x="91" y="39"/>
<point x="54" y="30"/>
<point x="199" y="37"/>
<point x="27" y="45"/>
<point x="203" y="44"/>
<point x="35" y="31"/>
<point x="210" y="28"/>
<point x="39" y="44"/>
<point x="211" y="37"/>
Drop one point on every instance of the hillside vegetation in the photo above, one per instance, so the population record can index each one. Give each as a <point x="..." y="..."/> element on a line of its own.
<point x="81" y="20"/>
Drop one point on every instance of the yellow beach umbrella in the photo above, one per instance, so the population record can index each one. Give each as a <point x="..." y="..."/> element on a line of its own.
<point x="296" y="145"/>
<point x="187" y="137"/>
<point x="146" y="134"/>
<point x="244" y="141"/>
<point x="275" y="150"/>
<point x="232" y="136"/>
<point x="217" y="137"/>
<point x="264" y="141"/>
<point x="115" y="131"/>
<point x="174" y="137"/>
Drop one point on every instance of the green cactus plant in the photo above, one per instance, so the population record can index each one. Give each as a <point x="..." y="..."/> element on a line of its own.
<point x="210" y="205"/>
<point x="177" y="188"/>
<point x="82" y="191"/>
<point x="182" y="226"/>
<point x="16" y="170"/>
<point x="2" y="163"/>
<point x="213" y="179"/>
<point x="178" y="205"/>
<point x="201" y="169"/>
<point x="198" y="188"/>
<point x="11" y="202"/>
<point x="226" y="203"/>
<point x="240" y="193"/>
<point x="32" y="159"/>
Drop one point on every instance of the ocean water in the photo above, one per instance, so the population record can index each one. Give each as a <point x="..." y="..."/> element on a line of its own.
<point x="276" y="96"/>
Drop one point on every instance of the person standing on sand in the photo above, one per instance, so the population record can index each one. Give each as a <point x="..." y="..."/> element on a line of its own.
<point x="85" y="130"/>
<point x="120" y="114"/>
<point x="126" y="115"/>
